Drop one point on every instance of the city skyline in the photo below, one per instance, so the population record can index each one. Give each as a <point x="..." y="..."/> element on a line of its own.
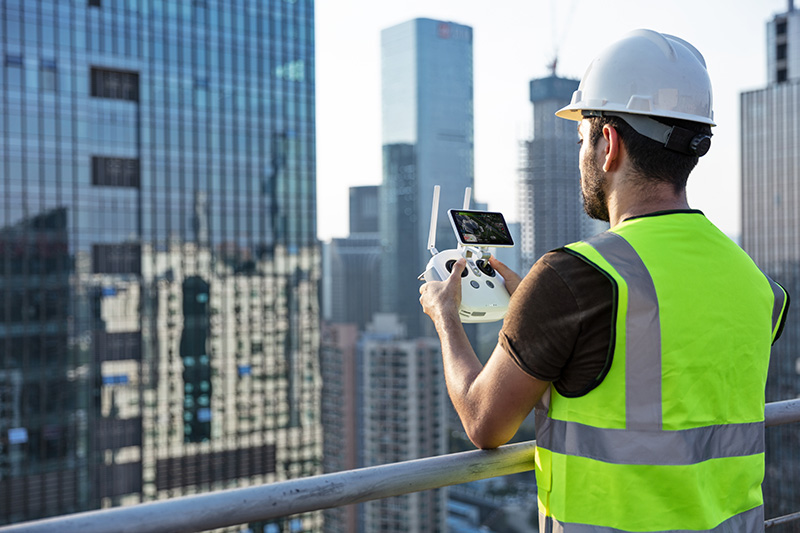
<point x="160" y="274"/>
<point x="507" y="56"/>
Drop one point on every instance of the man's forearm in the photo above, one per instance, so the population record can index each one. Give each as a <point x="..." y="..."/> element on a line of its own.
<point x="491" y="400"/>
<point x="461" y="365"/>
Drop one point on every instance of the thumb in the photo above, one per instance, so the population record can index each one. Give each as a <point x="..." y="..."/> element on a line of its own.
<point x="458" y="268"/>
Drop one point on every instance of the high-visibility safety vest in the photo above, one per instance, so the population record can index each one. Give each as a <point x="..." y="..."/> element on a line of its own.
<point x="672" y="438"/>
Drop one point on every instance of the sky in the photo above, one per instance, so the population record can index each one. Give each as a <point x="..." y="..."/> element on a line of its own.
<point x="513" y="42"/>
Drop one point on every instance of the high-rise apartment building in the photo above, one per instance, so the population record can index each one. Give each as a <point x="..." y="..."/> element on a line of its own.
<point x="384" y="401"/>
<point x="341" y="419"/>
<point x="550" y="204"/>
<point x="402" y="414"/>
<point x="427" y="113"/>
<point x="159" y="267"/>
<point x="770" y="144"/>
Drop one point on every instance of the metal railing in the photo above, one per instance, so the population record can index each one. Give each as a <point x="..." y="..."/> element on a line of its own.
<point x="277" y="500"/>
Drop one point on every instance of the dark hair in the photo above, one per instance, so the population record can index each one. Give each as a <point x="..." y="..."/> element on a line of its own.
<point x="649" y="158"/>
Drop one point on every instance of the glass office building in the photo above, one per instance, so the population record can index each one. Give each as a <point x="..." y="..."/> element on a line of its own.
<point x="427" y="121"/>
<point x="771" y="235"/>
<point x="159" y="316"/>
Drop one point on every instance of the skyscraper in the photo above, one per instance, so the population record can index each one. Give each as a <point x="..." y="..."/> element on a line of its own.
<point x="550" y="205"/>
<point x="158" y="259"/>
<point x="352" y="265"/>
<point x="427" y="113"/>
<point x="771" y="232"/>
<point x="364" y="208"/>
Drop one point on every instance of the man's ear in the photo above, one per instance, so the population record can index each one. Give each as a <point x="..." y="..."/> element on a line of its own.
<point x="612" y="148"/>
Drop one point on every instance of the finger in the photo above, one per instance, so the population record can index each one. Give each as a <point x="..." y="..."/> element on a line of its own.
<point x="512" y="279"/>
<point x="502" y="268"/>
<point x="458" y="267"/>
<point x="498" y="265"/>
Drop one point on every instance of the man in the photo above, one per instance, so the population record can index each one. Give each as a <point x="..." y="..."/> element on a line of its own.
<point x="645" y="348"/>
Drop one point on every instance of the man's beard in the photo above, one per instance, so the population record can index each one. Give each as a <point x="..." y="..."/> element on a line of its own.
<point x="594" y="197"/>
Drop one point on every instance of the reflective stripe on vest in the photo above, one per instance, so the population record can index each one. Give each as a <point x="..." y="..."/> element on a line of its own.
<point x="752" y="520"/>
<point x="643" y="372"/>
<point x="635" y="447"/>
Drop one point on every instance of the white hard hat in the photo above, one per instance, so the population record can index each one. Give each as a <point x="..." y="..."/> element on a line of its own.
<point x="646" y="73"/>
<point x="649" y="74"/>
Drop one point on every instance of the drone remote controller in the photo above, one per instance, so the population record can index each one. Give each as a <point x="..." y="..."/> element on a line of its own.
<point x="484" y="297"/>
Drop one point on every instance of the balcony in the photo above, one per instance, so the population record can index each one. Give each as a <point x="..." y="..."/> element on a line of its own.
<point x="268" y="502"/>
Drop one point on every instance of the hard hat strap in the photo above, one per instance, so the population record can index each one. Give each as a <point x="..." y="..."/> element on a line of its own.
<point x="673" y="138"/>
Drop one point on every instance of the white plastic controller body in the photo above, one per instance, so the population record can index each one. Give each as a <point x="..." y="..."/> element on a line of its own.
<point x="484" y="297"/>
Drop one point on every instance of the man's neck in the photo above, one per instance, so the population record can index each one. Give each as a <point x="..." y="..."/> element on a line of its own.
<point x="627" y="202"/>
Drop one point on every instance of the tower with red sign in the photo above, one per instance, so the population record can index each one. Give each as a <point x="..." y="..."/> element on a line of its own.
<point x="427" y="135"/>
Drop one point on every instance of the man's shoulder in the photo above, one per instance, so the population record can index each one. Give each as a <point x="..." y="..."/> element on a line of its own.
<point x="569" y="266"/>
<point x="559" y="328"/>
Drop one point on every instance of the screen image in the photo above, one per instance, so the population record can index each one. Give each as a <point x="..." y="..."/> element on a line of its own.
<point x="480" y="228"/>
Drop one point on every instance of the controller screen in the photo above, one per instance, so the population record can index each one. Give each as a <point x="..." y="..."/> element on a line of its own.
<point x="481" y="228"/>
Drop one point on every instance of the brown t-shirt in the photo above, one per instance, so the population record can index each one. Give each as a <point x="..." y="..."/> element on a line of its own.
<point x="560" y="323"/>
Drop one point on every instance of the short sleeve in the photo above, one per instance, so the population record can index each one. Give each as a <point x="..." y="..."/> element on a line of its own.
<point x="559" y="326"/>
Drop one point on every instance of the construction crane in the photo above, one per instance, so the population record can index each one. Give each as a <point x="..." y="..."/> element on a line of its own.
<point x="558" y="35"/>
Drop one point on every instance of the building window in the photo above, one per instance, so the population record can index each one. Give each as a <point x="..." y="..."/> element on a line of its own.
<point x="223" y="465"/>
<point x="120" y="85"/>
<point x="117" y="346"/>
<point x="292" y="71"/>
<point x="14" y="70"/>
<point x="48" y="76"/>
<point x="94" y="3"/>
<point x="115" y="172"/>
<point x="13" y="60"/>
<point x="117" y="258"/>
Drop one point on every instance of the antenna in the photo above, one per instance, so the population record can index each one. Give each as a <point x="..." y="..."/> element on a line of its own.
<point x="467" y="197"/>
<point x="434" y="220"/>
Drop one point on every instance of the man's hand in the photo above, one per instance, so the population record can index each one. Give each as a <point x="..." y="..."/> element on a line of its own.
<point x="512" y="278"/>
<point x="492" y="401"/>
<point x="441" y="299"/>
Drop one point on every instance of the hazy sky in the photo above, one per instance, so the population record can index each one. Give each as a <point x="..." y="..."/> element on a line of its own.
<point x="513" y="42"/>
